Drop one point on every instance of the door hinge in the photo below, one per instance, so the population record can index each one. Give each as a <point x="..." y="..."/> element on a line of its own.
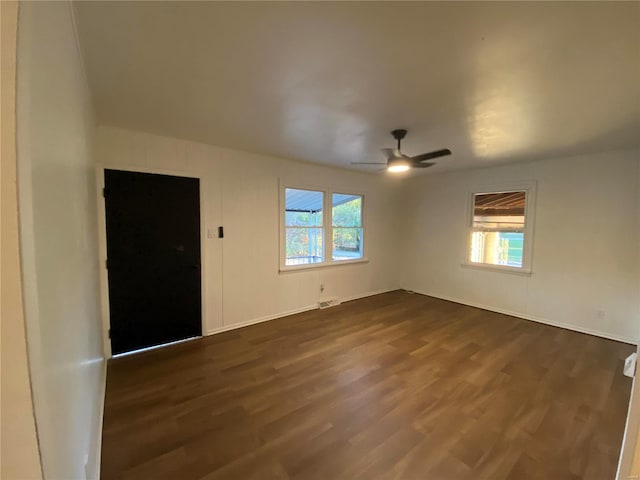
<point x="104" y="192"/>
<point x="106" y="264"/>
<point x="109" y="333"/>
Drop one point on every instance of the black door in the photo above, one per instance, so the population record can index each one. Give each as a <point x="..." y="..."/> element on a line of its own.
<point x="153" y="258"/>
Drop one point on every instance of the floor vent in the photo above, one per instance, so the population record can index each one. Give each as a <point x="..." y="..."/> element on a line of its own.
<point x="331" y="302"/>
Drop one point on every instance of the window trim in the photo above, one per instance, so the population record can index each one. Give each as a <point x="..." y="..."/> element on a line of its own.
<point x="529" y="187"/>
<point x="327" y="225"/>
<point x="330" y="244"/>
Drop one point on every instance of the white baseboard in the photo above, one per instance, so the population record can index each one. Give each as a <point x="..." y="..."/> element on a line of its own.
<point x="226" y="328"/>
<point x="532" y="318"/>
<point x="233" y="326"/>
<point x="629" y="439"/>
<point x="368" y="294"/>
<point x="94" y="474"/>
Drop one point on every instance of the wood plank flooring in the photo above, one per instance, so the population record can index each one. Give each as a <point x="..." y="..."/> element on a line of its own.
<point x="394" y="386"/>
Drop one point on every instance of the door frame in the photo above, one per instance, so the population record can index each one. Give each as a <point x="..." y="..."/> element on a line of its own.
<point x="102" y="245"/>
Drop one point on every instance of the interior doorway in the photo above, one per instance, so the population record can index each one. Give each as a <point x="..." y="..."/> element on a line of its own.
<point x="153" y="259"/>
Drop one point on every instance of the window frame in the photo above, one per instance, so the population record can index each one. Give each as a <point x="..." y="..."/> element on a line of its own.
<point x="361" y="227"/>
<point x="327" y="225"/>
<point x="529" y="187"/>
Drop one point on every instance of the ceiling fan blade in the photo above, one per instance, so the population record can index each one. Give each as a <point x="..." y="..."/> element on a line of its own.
<point x="428" y="156"/>
<point x="368" y="163"/>
<point x="392" y="153"/>
<point x="422" y="165"/>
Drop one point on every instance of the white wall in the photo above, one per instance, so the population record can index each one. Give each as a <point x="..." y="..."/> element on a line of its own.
<point x="19" y="454"/>
<point x="241" y="192"/>
<point x="585" y="246"/>
<point x="59" y="239"/>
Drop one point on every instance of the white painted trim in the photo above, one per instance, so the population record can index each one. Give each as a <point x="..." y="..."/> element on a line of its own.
<point x="155" y="347"/>
<point x="233" y="326"/>
<point x="102" y="245"/>
<point x="102" y="258"/>
<point x="98" y="452"/>
<point x="314" y="266"/>
<point x="327" y="226"/>
<point x="367" y="294"/>
<point x="307" y="308"/>
<point x="629" y="440"/>
<point x="282" y="188"/>
<point x="528" y="186"/>
<point x="497" y="268"/>
<point x="145" y="169"/>
<point x="588" y="331"/>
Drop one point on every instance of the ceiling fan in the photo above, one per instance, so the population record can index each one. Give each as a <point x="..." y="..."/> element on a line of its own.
<point x="399" y="162"/>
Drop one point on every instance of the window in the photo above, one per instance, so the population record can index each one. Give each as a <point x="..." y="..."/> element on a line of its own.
<point x="321" y="228"/>
<point x="500" y="229"/>
<point x="346" y="214"/>
<point x="304" y="233"/>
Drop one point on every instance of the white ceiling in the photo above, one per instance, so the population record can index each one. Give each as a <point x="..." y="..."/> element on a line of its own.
<point x="326" y="82"/>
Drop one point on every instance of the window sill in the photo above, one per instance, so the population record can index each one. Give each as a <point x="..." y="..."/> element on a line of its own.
<point x="498" y="268"/>
<point x="298" y="268"/>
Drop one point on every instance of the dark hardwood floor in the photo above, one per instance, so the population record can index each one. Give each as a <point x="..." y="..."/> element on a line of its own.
<point x="395" y="386"/>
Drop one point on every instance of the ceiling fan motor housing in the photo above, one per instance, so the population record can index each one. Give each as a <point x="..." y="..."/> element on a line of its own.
<point x="399" y="134"/>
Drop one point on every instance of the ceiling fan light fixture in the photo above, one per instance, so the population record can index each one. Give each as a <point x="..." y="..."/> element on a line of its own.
<point x="398" y="162"/>
<point x="398" y="166"/>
